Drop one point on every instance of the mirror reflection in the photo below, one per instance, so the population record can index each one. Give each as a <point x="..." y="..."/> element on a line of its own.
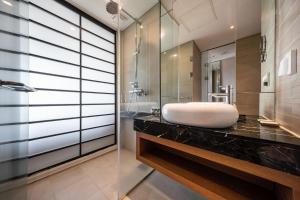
<point x="209" y="54"/>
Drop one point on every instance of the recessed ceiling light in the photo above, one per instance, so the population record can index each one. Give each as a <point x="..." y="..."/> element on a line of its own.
<point x="7" y="2"/>
<point x="231" y="27"/>
<point x="141" y="26"/>
<point x="175" y="55"/>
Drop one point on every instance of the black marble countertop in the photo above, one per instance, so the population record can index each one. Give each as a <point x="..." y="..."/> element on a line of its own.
<point x="246" y="140"/>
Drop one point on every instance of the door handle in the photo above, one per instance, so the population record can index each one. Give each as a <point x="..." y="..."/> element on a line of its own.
<point x="16" y="86"/>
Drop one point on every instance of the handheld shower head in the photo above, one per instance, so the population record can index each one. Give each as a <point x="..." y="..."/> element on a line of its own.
<point x="112" y="7"/>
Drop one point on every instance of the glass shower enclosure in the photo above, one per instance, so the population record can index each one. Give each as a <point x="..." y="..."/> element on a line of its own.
<point x="171" y="85"/>
<point x="139" y="82"/>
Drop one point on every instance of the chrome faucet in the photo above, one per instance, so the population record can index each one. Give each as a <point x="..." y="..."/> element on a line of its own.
<point x="229" y="92"/>
<point x="224" y="92"/>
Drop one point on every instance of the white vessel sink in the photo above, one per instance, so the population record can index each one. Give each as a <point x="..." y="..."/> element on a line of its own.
<point x="202" y="114"/>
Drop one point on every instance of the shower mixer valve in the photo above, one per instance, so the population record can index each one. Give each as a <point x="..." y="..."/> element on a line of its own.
<point x="134" y="84"/>
<point x="136" y="90"/>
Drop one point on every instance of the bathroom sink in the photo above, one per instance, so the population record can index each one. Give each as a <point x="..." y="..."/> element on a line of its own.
<point x="202" y="114"/>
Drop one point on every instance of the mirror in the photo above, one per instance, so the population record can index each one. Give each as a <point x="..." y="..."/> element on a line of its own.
<point x="218" y="77"/>
<point x="211" y="54"/>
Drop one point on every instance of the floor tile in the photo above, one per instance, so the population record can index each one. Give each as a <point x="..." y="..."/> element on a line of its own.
<point x="91" y="180"/>
<point x="158" y="186"/>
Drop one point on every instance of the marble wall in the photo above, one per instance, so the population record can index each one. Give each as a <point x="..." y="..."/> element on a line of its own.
<point x="288" y="87"/>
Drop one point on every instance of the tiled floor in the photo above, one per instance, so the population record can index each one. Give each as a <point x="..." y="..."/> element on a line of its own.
<point x="95" y="179"/>
<point x="132" y="172"/>
<point x="160" y="187"/>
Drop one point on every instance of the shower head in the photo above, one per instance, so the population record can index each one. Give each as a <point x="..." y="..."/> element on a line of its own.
<point x="112" y="7"/>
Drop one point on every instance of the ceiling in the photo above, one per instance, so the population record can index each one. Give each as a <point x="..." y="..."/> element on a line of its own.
<point x="221" y="53"/>
<point x="97" y="9"/>
<point x="206" y="22"/>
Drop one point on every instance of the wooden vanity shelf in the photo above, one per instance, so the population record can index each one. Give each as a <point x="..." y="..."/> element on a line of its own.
<point x="215" y="176"/>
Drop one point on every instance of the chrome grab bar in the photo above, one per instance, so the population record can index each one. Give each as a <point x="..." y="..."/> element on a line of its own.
<point x="16" y="86"/>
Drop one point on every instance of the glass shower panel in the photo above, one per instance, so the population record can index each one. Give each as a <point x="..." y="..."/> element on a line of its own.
<point x="13" y="104"/>
<point x="169" y="55"/>
<point x="139" y="83"/>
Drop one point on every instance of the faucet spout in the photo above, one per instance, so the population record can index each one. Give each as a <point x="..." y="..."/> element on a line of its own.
<point x="229" y="92"/>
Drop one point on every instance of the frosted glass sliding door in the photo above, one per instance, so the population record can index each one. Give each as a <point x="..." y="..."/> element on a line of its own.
<point x="54" y="66"/>
<point x="71" y="63"/>
<point x="69" y="58"/>
<point x="98" y="86"/>
<point x="14" y="45"/>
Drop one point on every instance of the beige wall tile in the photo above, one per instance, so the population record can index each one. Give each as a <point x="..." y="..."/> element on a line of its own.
<point x="287" y="87"/>
<point x="267" y="105"/>
<point x="248" y="103"/>
<point x="248" y="75"/>
<point x="197" y="91"/>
